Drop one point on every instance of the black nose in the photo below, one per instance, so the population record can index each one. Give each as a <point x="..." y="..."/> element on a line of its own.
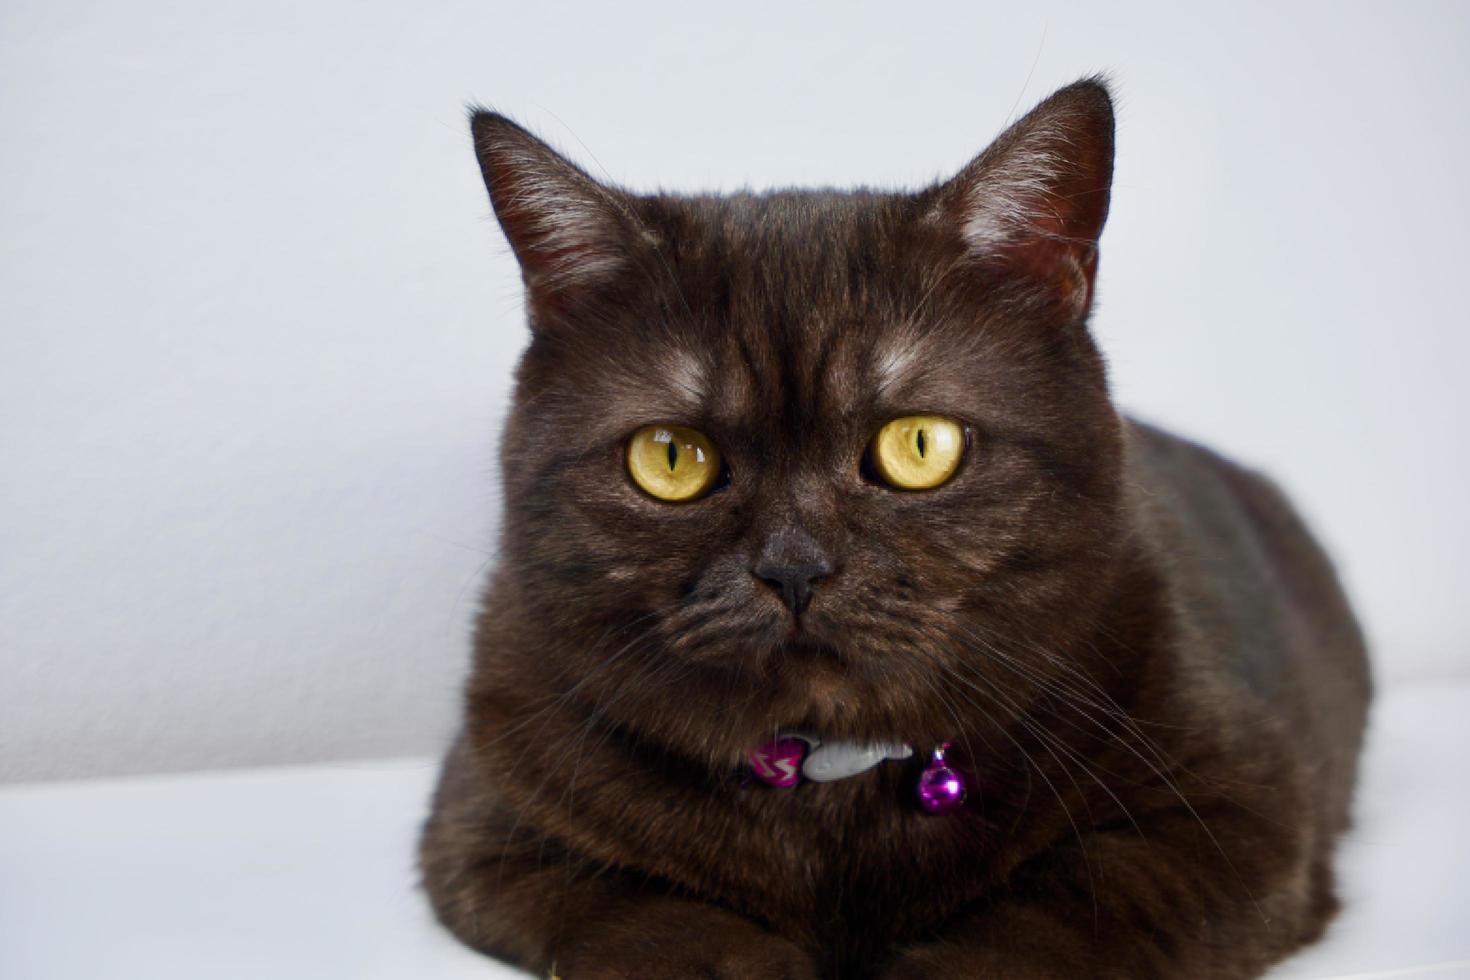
<point x="794" y="582"/>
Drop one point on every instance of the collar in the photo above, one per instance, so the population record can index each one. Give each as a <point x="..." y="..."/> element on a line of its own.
<point x="793" y="756"/>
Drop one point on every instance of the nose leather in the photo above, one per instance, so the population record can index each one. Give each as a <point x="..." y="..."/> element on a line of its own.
<point x="792" y="563"/>
<point x="795" y="583"/>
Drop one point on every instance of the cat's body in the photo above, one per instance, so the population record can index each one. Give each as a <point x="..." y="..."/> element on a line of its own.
<point x="1150" y="677"/>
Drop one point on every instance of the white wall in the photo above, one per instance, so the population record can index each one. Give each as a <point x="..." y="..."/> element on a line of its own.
<point x="256" y="324"/>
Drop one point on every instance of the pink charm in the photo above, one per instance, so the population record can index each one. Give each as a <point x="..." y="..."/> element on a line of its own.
<point x="778" y="763"/>
<point x="941" y="789"/>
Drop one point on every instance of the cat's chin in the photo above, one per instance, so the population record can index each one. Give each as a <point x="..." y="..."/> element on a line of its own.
<point x="796" y="680"/>
<point x="819" y="680"/>
<point x="815" y="688"/>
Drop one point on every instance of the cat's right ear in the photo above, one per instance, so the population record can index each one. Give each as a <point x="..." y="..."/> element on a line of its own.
<point x="1036" y="200"/>
<point x="570" y="233"/>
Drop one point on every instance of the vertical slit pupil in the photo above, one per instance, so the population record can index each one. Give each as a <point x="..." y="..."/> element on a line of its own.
<point x="673" y="456"/>
<point x="920" y="441"/>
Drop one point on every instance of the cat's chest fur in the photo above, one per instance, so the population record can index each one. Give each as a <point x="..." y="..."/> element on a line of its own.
<point x="819" y="846"/>
<point x="835" y="862"/>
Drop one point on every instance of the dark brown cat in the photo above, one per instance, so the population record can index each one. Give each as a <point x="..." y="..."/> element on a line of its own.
<point x="1151" y="681"/>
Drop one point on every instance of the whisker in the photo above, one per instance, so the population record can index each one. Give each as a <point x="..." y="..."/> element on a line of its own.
<point x="1167" y="781"/>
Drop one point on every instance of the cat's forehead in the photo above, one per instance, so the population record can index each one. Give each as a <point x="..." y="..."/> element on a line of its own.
<point x="774" y="386"/>
<point x="812" y="296"/>
<point x="804" y="241"/>
<point x="808" y="307"/>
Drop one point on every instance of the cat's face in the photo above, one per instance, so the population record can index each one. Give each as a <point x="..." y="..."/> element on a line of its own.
<point x="811" y="577"/>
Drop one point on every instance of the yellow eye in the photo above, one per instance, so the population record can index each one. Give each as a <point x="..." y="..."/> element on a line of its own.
<point x="673" y="463"/>
<point x="918" y="452"/>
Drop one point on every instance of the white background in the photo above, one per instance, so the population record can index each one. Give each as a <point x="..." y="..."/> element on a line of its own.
<point x="257" y="326"/>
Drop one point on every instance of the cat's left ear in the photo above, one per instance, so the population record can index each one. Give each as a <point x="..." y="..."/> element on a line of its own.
<point x="572" y="235"/>
<point x="1035" y="201"/>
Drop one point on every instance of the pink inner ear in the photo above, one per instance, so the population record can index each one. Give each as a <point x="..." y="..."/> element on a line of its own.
<point x="1042" y="220"/>
<point x="561" y="240"/>
<point x="566" y="229"/>
<point x="1037" y="199"/>
<point x="1067" y="266"/>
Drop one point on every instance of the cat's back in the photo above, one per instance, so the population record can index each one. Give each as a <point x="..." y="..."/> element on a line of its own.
<point x="1257" y="596"/>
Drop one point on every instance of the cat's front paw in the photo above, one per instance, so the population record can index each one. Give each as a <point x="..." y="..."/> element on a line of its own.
<point x="956" y="961"/>
<point x="918" y="965"/>
<point x="970" y="961"/>
<point x="690" y="958"/>
<point x="682" y="943"/>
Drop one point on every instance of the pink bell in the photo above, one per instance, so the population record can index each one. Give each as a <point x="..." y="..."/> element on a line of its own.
<point x="941" y="789"/>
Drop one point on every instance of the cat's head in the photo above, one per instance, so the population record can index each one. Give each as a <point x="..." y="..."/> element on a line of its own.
<point x="842" y="461"/>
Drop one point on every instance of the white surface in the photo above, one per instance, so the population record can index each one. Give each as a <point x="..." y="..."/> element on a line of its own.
<point x="256" y="325"/>
<point x="307" y="872"/>
<point x="278" y="874"/>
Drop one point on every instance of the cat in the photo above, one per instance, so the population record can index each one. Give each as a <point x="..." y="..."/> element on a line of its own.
<point x="842" y="469"/>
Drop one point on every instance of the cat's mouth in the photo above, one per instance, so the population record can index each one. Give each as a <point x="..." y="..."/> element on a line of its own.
<point x="803" y="646"/>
